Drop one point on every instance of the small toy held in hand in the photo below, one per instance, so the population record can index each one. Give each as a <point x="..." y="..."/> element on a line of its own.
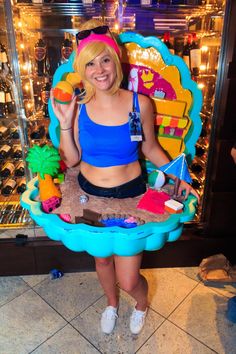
<point x="63" y="92"/>
<point x="74" y="79"/>
<point x="64" y="89"/>
<point x="156" y="179"/>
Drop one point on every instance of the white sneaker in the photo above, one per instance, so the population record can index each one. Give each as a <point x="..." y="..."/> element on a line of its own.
<point x="137" y="321"/>
<point x="108" y="319"/>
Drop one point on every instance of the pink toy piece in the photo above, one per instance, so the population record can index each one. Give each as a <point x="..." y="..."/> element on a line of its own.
<point x="153" y="201"/>
<point x="155" y="83"/>
<point x="50" y="204"/>
<point x="65" y="217"/>
<point x="130" y="220"/>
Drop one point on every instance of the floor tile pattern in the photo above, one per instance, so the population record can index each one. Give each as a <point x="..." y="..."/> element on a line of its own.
<point x="41" y="315"/>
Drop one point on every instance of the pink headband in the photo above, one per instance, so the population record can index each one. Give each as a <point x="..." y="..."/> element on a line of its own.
<point x="99" y="38"/>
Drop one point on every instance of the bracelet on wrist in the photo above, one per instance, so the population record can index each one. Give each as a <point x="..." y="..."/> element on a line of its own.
<point x="66" y="129"/>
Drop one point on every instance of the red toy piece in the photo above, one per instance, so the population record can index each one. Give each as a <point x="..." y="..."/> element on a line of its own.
<point x="63" y="166"/>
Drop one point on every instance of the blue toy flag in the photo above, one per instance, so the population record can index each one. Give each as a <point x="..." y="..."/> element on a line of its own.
<point x="178" y="167"/>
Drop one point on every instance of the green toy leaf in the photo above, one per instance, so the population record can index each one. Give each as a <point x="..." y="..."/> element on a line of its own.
<point x="43" y="160"/>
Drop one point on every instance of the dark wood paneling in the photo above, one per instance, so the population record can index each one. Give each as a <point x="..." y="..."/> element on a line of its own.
<point x="55" y="255"/>
<point x="16" y="260"/>
<point x="221" y="220"/>
<point x="228" y="128"/>
<point x="225" y="174"/>
<point x="41" y="256"/>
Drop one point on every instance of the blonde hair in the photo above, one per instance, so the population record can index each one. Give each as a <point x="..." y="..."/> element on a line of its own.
<point x="87" y="54"/>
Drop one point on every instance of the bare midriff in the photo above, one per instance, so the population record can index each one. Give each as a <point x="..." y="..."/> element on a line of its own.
<point x="108" y="177"/>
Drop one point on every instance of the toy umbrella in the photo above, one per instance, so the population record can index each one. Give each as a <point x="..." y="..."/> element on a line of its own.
<point x="179" y="168"/>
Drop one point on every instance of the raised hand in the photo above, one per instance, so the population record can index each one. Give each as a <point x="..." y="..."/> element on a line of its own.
<point x="64" y="112"/>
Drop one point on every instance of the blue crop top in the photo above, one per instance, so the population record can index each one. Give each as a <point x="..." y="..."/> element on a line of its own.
<point x="106" y="146"/>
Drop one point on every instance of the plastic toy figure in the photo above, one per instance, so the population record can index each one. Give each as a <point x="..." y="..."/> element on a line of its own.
<point x="179" y="168"/>
<point x="50" y="204"/>
<point x="45" y="162"/>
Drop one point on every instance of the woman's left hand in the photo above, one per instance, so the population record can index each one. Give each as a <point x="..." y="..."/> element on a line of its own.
<point x="184" y="186"/>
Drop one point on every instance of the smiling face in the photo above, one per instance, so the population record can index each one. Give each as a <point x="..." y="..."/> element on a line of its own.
<point x="85" y="64"/>
<point x="101" y="71"/>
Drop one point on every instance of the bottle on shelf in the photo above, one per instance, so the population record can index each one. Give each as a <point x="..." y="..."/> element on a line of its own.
<point x="7" y="169"/>
<point x="8" y="187"/>
<point x="179" y="45"/>
<point x="20" y="169"/>
<point x="186" y="50"/>
<point x="66" y="50"/>
<point x="167" y="42"/>
<point x="198" y="165"/>
<point x="204" y="132"/>
<point x="16" y="152"/>
<point x="201" y="150"/>
<point x="21" y="186"/>
<point x="47" y="133"/>
<point x="2" y="99"/>
<point x="14" y="133"/>
<point x="5" y="151"/>
<point x="45" y="94"/>
<point x="195" y="56"/>
<point x="5" y="68"/>
<point x="197" y="181"/>
<point x="40" y="51"/>
<point x="3" y="131"/>
<point x="10" y="104"/>
<point x="38" y="132"/>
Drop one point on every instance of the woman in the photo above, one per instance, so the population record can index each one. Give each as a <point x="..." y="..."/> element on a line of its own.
<point x="96" y="134"/>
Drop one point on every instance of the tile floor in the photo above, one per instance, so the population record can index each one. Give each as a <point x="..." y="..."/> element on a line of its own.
<point x="44" y="316"/>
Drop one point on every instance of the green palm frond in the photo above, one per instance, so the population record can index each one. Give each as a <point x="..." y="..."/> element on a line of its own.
<point x="43" y="160"/>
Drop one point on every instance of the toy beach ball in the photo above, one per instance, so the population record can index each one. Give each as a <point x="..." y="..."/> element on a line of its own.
<point x="63" y="92"/>
<point x="156" y="179"/>
<point x="73" y="78"/>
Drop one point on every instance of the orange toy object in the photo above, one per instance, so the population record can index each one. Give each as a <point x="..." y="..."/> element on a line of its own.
<point x="47" y="188"/>
<point x="45" y="162"/>
<point x="63" y="92"/>
<point x="173" y="206"/>
<point x="73" y="79"/>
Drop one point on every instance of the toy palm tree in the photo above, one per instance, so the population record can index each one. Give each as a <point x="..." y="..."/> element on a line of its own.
<point x="45" y="162"/>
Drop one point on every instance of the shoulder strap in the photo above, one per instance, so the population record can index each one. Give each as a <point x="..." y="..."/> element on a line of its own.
<point x="136" y="107"/>
<point x="80" y="109"/>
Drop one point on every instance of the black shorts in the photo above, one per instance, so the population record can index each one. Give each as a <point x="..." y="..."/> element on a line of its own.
<point x="133" y="188"/>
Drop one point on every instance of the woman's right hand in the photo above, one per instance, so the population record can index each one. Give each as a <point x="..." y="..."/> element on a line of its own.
<point x="64" y="112"/>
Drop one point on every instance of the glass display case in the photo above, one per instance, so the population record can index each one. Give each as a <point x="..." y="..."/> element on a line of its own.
<point x="40" y="35"/>
<point x="13" y="139"/>
<point x="45" y="37"/>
